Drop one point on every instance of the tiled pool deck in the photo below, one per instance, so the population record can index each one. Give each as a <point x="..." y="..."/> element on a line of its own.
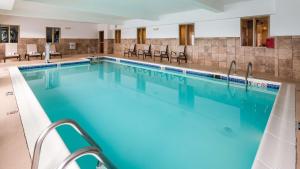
<point x="12" y="135"/>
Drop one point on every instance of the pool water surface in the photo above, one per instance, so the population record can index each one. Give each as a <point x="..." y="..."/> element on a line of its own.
<point x="150" y="119"/>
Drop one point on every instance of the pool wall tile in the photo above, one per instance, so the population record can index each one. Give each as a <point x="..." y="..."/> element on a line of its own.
<point x="53" y="65"/>
<point x="173" y="70"/>
<point x="74" y="63"/>
<point x="37" y="66"/>
<point x="237" y="80"/>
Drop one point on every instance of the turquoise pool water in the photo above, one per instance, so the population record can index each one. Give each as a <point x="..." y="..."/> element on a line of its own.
<point x="148" y="119"/>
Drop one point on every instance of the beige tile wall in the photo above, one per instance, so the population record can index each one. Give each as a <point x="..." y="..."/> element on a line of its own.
<point x="109" y="46"/>
<point x="283" y="61"/>
<point x="83" y="46"/>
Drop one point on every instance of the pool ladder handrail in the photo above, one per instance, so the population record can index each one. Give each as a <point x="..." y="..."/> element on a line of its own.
<point x="229" y="71"/>
<point x="93" y="151"/>
<point x="78" y="154"/>
<point x="249" y="72"/>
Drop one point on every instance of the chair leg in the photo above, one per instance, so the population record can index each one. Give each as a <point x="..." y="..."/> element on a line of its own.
<point x="4" y="59"/>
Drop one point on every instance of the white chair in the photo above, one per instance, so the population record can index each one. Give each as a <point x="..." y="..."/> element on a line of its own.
<point x="32" y="51"/>
<point x="53" y="51"/>
<point x="11" y="51"/>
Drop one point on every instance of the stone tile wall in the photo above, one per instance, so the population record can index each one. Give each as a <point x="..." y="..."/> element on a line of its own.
<point x="283" y="61"/>
<point x="83" y="46"/>
<point x="108" y="46"/>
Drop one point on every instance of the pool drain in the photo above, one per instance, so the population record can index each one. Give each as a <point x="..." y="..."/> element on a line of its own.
<point x="227" y="129"/>
<point x="11" y="113"/>
<point x="9" y="93"/>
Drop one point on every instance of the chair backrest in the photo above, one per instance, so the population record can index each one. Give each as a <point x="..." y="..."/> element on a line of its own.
<point x="163" y="48"/>
<point x="150" y="48"/>
<point x="146" y="47"/>
<point x="31" y="49"/>
<point x="132" y="47"/>
<point x="11" y="49"/>
<point x="52" y="48"/>
<point x="181" y="49"/>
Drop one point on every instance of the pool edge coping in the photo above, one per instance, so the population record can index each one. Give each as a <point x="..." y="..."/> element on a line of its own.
<point x="273" y="147"/>
<point x="259" y="162"/>
<point x="35" y="120"/>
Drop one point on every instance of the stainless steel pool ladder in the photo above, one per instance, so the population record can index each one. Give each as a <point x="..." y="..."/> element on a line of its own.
<point x="94" y="150"/>
<point x="229" y="71"/>
<point x="249" y="72"/>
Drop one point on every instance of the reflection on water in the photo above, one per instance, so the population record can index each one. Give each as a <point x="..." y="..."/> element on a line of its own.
<point x="186" y="95"/>
<point x="137" y="114"/>
<point x="189" y="90"/>
<point x="52" y="79"/>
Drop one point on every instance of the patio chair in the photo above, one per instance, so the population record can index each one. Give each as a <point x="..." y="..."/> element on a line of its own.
<point x="53" y="51"/>
<point x="130" y="51"/>
<point x="145" y="52"/>
<point x="11" y="51"/>
<point x="31" y="51"/>
<point x="148" y="52"/>
<point x="162" y="53"/>
<point x="179" y="55"/>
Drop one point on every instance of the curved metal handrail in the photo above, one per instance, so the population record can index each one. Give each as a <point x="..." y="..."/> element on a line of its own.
<point x="41" y="138"/>
<point x="230" y="68"/>
<point x="84" y="152"/>
<point x="249" y="71"/>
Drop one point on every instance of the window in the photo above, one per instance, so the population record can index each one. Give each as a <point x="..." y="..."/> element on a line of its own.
<point x="52" y="35"/>
<point x="9" y="34"/>
<point x="186" y="34"/>
<point x="117" y="36"/>
<point x="254" y="31"/>
<point x="141" y="35"/>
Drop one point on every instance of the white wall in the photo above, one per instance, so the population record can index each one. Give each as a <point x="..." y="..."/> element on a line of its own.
<point x="218" y="28"/>
<point x="108" y="30"/>
<point x="207" y="23"/>
<point x="36" y="28"/>
<point x="284" y="20"/>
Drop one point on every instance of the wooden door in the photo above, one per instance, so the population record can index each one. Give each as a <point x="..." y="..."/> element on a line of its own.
<point x="101" y="41"/>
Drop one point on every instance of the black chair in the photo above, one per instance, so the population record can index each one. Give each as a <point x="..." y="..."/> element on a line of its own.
<point x="148" y="52"/>
<point x="163" y="53"/>
<point x="131" y="51"/>
<point x="141" y="52"/>
<point x="179" y="55"/>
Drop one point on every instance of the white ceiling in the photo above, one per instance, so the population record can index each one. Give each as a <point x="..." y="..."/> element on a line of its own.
<point x="7" y="4"/>
<point x="106" y="11"/>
